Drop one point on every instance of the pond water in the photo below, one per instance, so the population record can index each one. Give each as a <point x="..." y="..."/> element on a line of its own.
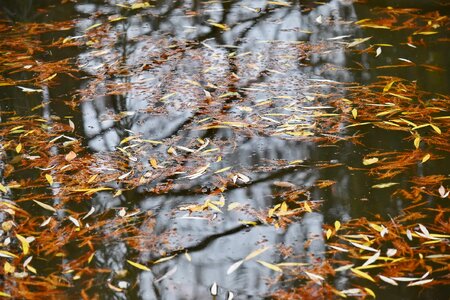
<point x="219" y="142"/>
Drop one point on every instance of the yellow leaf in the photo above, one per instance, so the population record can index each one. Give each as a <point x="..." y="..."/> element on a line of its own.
<point x="4" y="253"/>
<point x="8" y="268"/>
<point x="213" y="207"/>
<point x="362" y="274"/>
<point x="139" y="266"/>
<point x="370" y="292"/>
<point x="370" y="161"/>
<point x="49" y="178"/>
<point x="92" y="178"/>
<point x="5" y="295"/>
<point x="93" y="26"/>
<point x="222" y="170"/>
<point x="426" y="32"/>
<point x="50" y="77"/>
<point x="19" y="148"/>
<point x="91" y="257"/>
<point x="337" y="225"/>
<point x="139" y="5"/>
<point x="153" y="163"/>
<point x="376" y="227"/>
<point x="354" y="113"/>
<point x="45" y="206"/>
<point x="221" y="26"/>
<point x="437" y="129"/>
<point x="31" y="269"/>
<point x="417" y="142"/>
<point x="25" y="244"/>
<point x="3" y="189"/>
<point x="270" y="266"/>
<point x="388" y="86"/>
<point x="425" y="158"/>
<point x="329" y="233"/>
<point x="256" y="253"/>
<point x="307" y="207"/>
<point x="283" y="207"/>
<point x="164" y="259"/>
<point x="384" y="185"/>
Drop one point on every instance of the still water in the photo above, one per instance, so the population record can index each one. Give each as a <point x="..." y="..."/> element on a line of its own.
<point x="180" y="75"/>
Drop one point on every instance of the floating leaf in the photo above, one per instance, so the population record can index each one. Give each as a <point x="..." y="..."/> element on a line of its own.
<point x="426" y="158"/>
<point x="417" y="142"/>
<point x="164" y="259"/>
<point x="19" y="148"/>
<point x="337" y="225"/>
<point x="362" y="274"/>
<point x="49" y="178"/>
<point x="7" y="254"/>
<point x="364" y="247"/>
<point x="138" y="265"/>
<point x="370" y="161"/>
<point x="357" y="42"/>
<point x="91" y="211"/>
<point x="256" y="253"/>
<point x="74" y="221"/>
<point x="314" y="277"/>
<point x="437" y="129"/>
<point x="3" y="189"/>
<point x="409" y="234"/>
<point x="378" y="52"/>
<point x="354" y="113"/>
<point x="442" y="192"/>
<point x="388" y="280"/>
<point x="70" y="156"/>
<point x="45" y="206"/>
<point x="25" y="244"/>
<point x="370" y="292"/>
<point x="338" y="248"/>
<point x="45" y="223"/>
<point x="270" y="266"/>
<point x="420" y="282"/>
<point x="307" y="207"/>
<point x="234" y="266"/>
<point x="372" y="259"/>
<point x="329" y="233"/>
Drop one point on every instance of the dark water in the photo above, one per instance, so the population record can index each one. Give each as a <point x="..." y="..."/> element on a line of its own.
<point x="261" y="50"/>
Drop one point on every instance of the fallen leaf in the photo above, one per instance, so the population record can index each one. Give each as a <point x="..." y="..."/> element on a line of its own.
<point x="49" y="178"/>
<point x="45" y="206"/>
<point x="234" y="266"/>
<point x="370" y="161"/>
<point x="138" y="265"/>
<point x="362" y="274"/>
<point x="270" y="266"/>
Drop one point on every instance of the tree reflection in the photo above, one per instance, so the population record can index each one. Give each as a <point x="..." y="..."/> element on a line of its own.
<point x="158" y="61"/>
